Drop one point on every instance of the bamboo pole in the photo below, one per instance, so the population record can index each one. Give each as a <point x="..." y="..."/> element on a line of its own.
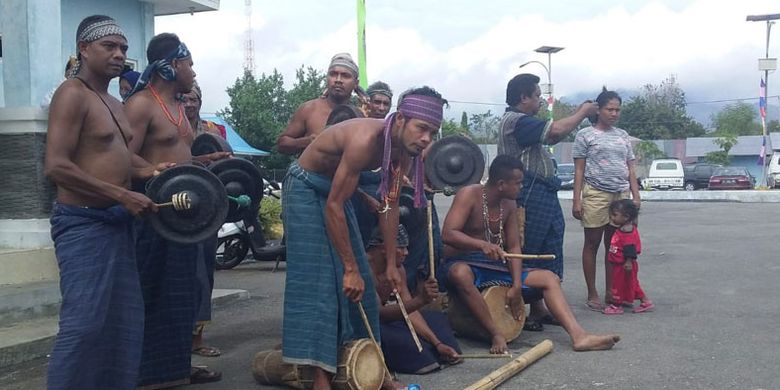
<point x="431" y="255"/>
<point x="501" y="375"/>
<point x="528" y="257"/>
<point x="408" y="321"/>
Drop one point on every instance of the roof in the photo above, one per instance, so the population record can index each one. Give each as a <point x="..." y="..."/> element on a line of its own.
<point x="747" y="145"/>
<point x="239" y="145"/>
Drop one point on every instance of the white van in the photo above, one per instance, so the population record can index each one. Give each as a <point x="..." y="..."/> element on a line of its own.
<point x="665" y="174"/>
<point x="773" y="171"/>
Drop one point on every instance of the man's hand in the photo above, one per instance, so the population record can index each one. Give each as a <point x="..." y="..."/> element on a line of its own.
<point x="576" y="209"/>
<point x="446" y="352"/>
<point x="428" y="290"/>
<point x="137" y="203"/>
<point x="152" y="170"/>
<point x="514" y="299"/>
<point x="492" y="251"/>
<point x="589" y="108"/>
<point x="628" y="265"/>
<point x="353" y="285"/>
<point x="208" y="158"/>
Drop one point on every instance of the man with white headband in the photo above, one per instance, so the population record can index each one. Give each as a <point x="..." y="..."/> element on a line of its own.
<point x="167" y="270"/>
<point x="101" y="326"/>
<point x="310" y="118"/>
<point x="327" y="269"/>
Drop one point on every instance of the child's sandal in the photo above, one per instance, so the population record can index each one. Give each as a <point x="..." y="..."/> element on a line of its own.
<point x="644" y="307"/>
<point x="612" y="309"/>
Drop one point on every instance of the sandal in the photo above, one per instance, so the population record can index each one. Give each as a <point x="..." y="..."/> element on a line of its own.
<point x="594" y="305"/>
<point x="533" y="325"/>
<point x="644" y="307"/>
<point x="612" y="309"/>
<point x="206" y="351"/>
<point x="201" y="374"/>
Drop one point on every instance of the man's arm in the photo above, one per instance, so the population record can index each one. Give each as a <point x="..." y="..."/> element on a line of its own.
<point x="140" y="118"/>
<point x="452" y="232"/>
<point x="293" y="139"/>
<point x="512" y="233"/>
<point x="560" y="128"/>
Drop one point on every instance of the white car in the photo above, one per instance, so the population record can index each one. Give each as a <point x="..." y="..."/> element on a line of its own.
<point x="665" y="174"/>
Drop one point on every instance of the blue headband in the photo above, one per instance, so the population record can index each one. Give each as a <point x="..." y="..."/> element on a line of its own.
<point x="162" y="67"/>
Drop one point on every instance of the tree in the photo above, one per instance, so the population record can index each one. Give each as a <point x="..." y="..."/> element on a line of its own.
<point x="464" y="121"/>
<point x="658" y="112"/>
<point x="773" y="126"/>
<point x="721" y="157"/>
<point x="484" y="127"/>
<point x="738" y="119"/>
<point x="450" y="127"/>
<point x="260" y="108"/>
<point x="561" y="110"/>
<point x="647" y="151"/>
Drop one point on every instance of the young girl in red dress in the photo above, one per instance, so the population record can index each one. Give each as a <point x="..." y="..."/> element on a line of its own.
<point x="624" y="249"/>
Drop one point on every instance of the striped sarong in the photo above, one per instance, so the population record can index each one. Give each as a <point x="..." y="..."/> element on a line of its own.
<point x="98" y="345"/>
<point x="204" y="275"/>
<point x="167" y="272"/>
<point x="318" y="317"/>
<point x="544" y="223"/>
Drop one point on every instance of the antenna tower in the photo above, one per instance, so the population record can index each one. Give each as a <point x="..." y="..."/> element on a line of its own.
<point x="249" y="47"/>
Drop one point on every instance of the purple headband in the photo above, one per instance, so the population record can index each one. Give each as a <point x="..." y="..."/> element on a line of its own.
<point x="424" y="108"/>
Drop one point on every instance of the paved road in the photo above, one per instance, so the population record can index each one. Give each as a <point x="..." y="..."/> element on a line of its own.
<point x="711" y="268"/>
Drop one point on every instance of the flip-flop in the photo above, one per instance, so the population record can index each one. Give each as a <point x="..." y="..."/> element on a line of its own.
<point x="594" y="305"/>
<point x="612" y="309"/>
<point x="201" y="374"/>
<point x="548" y="319"/>
<point x="533" y="325"/>
<point x="206" y="351"/>
<point x="644" y="307"/>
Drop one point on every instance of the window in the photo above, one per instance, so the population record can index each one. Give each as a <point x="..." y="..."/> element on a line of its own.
<point x="666" y="166"/>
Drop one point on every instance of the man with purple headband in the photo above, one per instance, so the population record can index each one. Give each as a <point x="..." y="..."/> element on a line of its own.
<point x="327" y="269"/>
<point x="310" y="118"/>
<point x="98" y="345"/>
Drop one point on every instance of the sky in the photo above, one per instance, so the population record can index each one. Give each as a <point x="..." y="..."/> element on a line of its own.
<point x="468" y="50"/>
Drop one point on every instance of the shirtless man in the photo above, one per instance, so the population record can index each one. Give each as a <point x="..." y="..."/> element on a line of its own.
<point x="98" y="345"/>
<point x="309" y="119"/>
<point x="380" y="100"/>
<point x="327" y="270"/>
<point x="161" y="132"/>
<point x="479" y="229"/>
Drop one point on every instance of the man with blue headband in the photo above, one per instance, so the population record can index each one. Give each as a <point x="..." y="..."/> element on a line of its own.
<point x="161" y="132"/>
<point x="327" y="269"/>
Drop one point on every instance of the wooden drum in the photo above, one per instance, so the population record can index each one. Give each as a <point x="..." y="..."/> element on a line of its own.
<point x="360" y="368"/>
<point x="466" y="325"/>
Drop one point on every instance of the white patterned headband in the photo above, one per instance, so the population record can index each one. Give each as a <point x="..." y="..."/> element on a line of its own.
<point x="100" y="29"/>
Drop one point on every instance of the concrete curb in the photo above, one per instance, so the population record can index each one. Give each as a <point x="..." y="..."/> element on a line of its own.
<point x="34" y="339"/>
<point x="746" y="196"/>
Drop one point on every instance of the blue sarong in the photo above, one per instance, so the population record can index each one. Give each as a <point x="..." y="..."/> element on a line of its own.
<point x="318" y="317"/>
<point x="487" y="272"/>
<point x="98" y="345"/>
<point x="544" y="223"/>
<point x="401" y="353"/>
<point x="366" y="218"/>
<point x="167" y="272"/>
<point x="204" y="274"/>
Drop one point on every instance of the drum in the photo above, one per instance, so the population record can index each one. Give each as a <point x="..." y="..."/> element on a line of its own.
<point x="360" y="368"/>
<point x="466" y="325"/>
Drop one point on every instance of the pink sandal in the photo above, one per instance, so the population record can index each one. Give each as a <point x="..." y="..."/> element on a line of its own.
<point x="612" y="309"/>
<point x="644" y="307"/>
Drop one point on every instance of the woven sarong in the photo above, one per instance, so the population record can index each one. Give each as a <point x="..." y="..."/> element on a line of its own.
<point x="401" y="353"/>
<point x="98" y="345"/>
<point x="544" y="224"/>
<point x="204" y="275"/>
<point x="318" y="317"/>
<point x="167" y="272"/>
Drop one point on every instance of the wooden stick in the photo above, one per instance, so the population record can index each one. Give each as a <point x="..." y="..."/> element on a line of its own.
<point x="431" y="255"/>
<point x="485" y="356"/>
<point x="528" y="257"/>
<point x="408" y="321"/>
<point x="501" y="375"/>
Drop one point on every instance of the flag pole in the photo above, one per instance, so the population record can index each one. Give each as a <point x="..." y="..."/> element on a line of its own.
<point x="361" y="27"/>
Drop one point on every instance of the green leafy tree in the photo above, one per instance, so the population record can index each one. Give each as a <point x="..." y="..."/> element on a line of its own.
<point x="484" y="127"/>
<point x="450" y="127"/>
<point x="773" y="126"/>
<point x="464" y="121"/>
<point x="309" y="83"/>
<point x="646" y="151"/>
<point x="658" y="112"/>
<point x="738" y="119"/>
<point x="721" y="157"/>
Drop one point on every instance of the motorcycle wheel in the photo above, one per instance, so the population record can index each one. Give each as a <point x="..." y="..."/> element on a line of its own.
<point x="231" y="251"/>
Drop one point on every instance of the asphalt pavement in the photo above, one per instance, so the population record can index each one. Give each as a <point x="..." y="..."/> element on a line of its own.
<point x="711" y="269"/>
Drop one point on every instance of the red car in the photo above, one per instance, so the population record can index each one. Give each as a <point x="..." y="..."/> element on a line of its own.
<point x="732" y="178"/>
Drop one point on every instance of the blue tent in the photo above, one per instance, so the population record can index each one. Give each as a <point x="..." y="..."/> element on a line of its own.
<point x="240" y="147"/>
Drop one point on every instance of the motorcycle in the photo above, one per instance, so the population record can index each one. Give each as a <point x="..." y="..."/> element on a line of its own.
<point x="236" y="239"/>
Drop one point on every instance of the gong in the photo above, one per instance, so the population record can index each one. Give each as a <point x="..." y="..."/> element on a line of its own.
<point x="244" y="186"/>
<point x="454" y="162"/>
<point x="208" y="143"/>
<point x="200" y="204"/>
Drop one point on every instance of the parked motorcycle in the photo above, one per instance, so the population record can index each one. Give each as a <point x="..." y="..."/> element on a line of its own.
<point x="236" y="239"/>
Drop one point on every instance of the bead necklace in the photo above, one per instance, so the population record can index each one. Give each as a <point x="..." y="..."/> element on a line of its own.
<point x="493" y="238"/>
<point x="168" y="113"/>
<point x="395" y="188"/>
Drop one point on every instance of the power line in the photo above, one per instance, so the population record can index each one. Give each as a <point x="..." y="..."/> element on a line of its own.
<point x="687" y="103"/>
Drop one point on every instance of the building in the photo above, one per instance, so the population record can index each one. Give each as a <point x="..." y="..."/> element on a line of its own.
<point x="36" y="39"/>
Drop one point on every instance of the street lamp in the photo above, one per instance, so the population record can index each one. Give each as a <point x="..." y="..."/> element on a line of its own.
<point x="548" y="88"/>
<point x="766" y="64"/>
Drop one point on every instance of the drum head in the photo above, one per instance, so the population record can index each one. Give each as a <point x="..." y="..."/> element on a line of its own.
<point x="363" y="364"/>
<point x="465" y="325"/>
<point x="454" y="162"/>
<point x="240" y="177"/>
<point x="209" y="204"/>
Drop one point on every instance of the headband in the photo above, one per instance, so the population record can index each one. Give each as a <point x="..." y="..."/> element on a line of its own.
<point x="345" y="60"/>
<point x="162" y="67"/>
<point x="92" y="33"/>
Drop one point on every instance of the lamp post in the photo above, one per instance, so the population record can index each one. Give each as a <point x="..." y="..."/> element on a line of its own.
<point x="548" y="88"/>
<point x="766" y="64"/>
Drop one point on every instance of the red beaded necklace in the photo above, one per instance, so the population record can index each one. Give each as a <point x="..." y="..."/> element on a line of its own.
<point x="168" y="113"/>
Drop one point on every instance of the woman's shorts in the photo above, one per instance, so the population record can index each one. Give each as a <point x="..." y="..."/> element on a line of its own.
<point x="595" y="205"/>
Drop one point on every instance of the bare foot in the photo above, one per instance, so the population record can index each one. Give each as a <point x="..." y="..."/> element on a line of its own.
<point x="499" y="345"/>
<point x="594" y="342"/>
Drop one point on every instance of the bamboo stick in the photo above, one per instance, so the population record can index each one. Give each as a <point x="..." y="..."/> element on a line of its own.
<point x="528" y="257"/>
<point x="373" y="339"/>
<point x="408" y="321"/>
<point x="485" y="356"/>
<point x="501" y="375"/>
<point x="431" y="255"/>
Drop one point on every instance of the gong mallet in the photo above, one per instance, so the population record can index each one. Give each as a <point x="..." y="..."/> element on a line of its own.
<point x="408" y="321"/>
<point x="501" y="375"/>
<point x="179" y="201"/>
<point x="528" y="257"/>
